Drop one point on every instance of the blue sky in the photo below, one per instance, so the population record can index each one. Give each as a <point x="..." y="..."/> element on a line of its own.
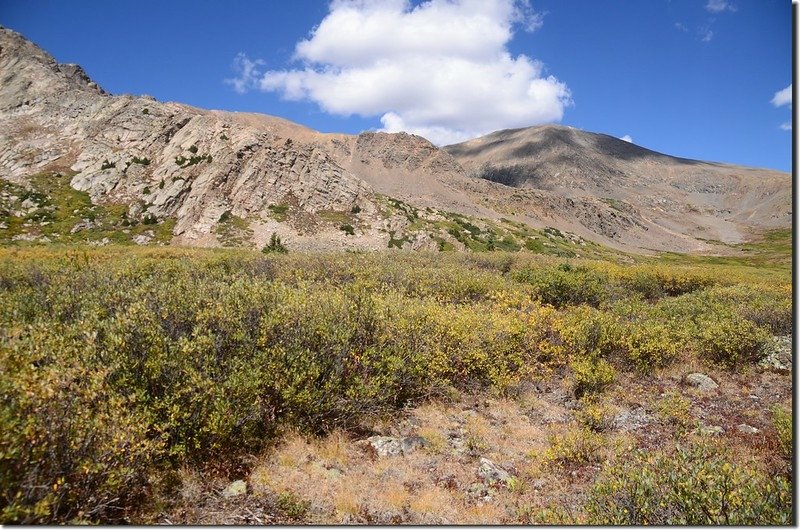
<point x="692" y="78"/>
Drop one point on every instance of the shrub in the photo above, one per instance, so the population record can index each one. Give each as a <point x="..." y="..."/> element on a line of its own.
<point x="293" y="506"/>
<point x="107" y="165"/>
<point x="591" y="376"/>
<point x="595" y="416"/>
<point x="145" y="111"/>
<point x="649" y="344"/>
<point x="782" y="419"/>
<point x="587" y="332"/>
<point x="355" y="209"/>
<point x="347" y="229"/>
<point x="698" y="485"/>
<point x="566" y="286"/>
<point x="72" y="449"/>
<point x="675" y="410"/>
<point x="149" y="219"/>
<point x="193" y="149"/>
<point x="275" y="245"/>
<point x="730" y="340"/>
<point x="575" y="447"/>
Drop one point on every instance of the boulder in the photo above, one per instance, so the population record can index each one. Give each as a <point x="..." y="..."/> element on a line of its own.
<point x="701" y="382"/>
<point x="491" y="473"/>
<point x="235" y="488"/>
<point x="778" y="356"/>
<point x="392" y="446"/>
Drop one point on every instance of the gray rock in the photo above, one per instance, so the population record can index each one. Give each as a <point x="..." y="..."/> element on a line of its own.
<point x="778" y="355"/>
<point x="491" y="473"/>
<point x="709" y="430"/>
<point x="631" y="420"/>
<point x="82" y="225"/>
<point x="701" y="381"/>
<point x="143" y="239"/>
<point x="747" y="429"/>
<point x="391" y="446"/>
<point x="235" y="488"/>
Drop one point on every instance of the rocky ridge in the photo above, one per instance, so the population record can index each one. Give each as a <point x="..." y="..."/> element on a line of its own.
<point x="215" y="178"/>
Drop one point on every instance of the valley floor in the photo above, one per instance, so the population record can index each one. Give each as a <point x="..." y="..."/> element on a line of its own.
<point x="549" y="449"/>
<point x="189" y="386"/>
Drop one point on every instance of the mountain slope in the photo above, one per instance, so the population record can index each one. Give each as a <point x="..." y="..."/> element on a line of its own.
<point x="132" y="169"/>
<point x="668" y="194"/>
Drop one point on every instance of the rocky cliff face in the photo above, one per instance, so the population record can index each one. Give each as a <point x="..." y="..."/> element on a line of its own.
<point x="209" y="178"/>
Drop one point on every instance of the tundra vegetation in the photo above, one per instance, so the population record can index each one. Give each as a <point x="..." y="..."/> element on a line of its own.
<point x="137" y="383"/>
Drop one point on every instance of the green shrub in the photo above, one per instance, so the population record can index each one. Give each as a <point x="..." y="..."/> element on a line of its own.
<point x="347" y="229"/>
<point x="595" y="416"/>
<point x="356" y="209"/>
<point x="698" y="485"/>
<point x="275" y="245"/>
<point x="193" y="149"/>
<point x="675" y="410"/>
<point x="591" y="376"/>
<point x="649" y="344"/>
<point x="575" y="447"/>
<point x="730" y="340"/>
<point x="293" y="506"/>
<point x="560" y="287"/>
<point x="782" y="419"/>
<point x="107" y="165"/>
<point x="71" y="448"/>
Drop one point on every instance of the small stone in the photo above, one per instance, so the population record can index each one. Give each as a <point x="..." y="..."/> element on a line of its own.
<point x="747" y="429"/>
<point x="235" y="488"/>
<point x="709" y="430"/>
<point x="701" y="381"/>
<point x="491" y="473"/>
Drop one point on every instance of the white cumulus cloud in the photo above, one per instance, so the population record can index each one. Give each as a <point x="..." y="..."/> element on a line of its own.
<point x="786" y="126"/>
<point x="718" y="6"/>
<point x="627" y="138"/>
<point x="783" y="97"/>
<point x="440" y="69"/>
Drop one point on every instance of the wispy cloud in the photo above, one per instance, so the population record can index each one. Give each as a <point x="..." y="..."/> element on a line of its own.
<point x="441" y="69"/>
<point x="681" y="27"/>
<point x="248" y="73"/>
<point x="706" y="34"/>
<point x="783" y="97"/>
<point x="719" y="6"/>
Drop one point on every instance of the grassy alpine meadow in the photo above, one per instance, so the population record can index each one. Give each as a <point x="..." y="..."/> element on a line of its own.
<point x="136" y="383"/>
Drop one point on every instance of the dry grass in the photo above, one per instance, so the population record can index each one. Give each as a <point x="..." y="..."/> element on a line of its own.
<point x="439" y="484"/>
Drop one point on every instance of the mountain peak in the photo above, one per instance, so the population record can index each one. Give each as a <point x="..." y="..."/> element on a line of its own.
<point x="29" y="73"/>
